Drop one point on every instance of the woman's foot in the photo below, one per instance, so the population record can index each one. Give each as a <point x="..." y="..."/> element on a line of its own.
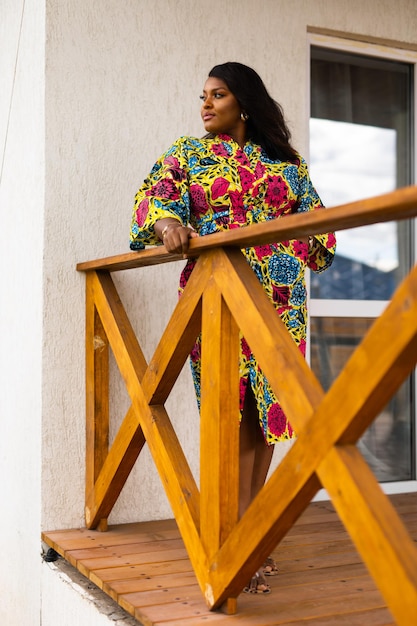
<point x="270" y="568"/>
<point x="257" y="584"/>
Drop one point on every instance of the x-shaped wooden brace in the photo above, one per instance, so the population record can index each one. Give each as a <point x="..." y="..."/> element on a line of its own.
<point x="224" y="553"/>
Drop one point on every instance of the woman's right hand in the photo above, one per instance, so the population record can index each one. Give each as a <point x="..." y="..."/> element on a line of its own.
<point x="174" y="235"/>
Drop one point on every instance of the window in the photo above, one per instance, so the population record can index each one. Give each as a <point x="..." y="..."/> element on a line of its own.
<point x="361" y="145"/>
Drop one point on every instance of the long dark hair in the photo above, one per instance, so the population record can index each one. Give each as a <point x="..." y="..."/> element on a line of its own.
<point x="266" y="125"/>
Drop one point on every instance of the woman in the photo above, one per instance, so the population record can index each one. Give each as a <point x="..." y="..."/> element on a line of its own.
<point x="244" y="171"/>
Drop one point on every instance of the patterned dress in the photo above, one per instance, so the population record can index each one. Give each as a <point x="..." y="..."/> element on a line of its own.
<point x="215" y="185"/>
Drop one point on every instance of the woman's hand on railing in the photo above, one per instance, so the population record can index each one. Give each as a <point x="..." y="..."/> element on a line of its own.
<point x="174" y="235"/>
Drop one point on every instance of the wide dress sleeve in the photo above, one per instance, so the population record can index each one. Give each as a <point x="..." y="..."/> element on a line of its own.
<point x="164" y="193"/>
<point x="323" y="246"/>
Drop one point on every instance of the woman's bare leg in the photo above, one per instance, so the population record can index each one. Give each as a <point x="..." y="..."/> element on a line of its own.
<point x="254" y="461"/>
<point x="255" y="455"/>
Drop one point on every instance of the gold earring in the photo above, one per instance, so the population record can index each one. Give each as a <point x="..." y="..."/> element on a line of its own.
<point x="244" y="116"/>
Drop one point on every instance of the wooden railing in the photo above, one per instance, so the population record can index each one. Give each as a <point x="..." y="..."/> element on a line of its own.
<point x="223" y="297"/>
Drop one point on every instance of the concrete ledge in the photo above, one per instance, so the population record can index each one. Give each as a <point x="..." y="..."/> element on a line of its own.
<point x="70" y="599"/>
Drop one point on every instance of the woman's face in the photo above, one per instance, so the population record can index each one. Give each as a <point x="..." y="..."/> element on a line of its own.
<point x="220" y="111"/>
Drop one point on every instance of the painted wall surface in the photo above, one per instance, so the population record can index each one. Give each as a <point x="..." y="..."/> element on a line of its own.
<point x="121" y="85"/>
<point x="22" y="182"/>
<point x="92" y="93"/>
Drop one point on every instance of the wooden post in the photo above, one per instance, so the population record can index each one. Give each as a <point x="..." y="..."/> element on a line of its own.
<point x="219" y="445"/>
<point x="97" y="392"/>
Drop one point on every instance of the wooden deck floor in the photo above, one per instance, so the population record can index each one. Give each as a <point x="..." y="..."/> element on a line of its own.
<point x="322" y="580"/>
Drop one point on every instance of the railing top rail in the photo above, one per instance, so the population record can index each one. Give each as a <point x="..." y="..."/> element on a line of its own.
<point x="396" y="205"/>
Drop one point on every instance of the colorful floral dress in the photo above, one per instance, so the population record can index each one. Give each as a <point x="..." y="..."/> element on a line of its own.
<point x="215" y="185"/>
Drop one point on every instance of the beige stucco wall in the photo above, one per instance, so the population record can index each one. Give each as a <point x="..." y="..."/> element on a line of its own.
<point x="121" y="82"/>
<point x="121" y="85"/>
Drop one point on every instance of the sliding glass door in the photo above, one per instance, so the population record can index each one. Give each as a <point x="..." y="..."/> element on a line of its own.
<point x="361" y="145"/>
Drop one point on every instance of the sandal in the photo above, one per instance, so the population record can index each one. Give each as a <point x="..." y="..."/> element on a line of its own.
<point x="270" y="568"/>
<point x="257" y="584"/>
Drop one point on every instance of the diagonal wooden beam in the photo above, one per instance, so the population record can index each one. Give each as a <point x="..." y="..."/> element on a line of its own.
<point x="284" y="366"/>
<point x="257" y="534"/>
<point x="314" y="442"/>
<point x="176" y="478"/>
<point x="117" y="325"/>
<point x="286" y="496"/>
<point x="103" y="491"/>
<point x="376" y="369"/>
<point x="178" y="337"/>
<point x="157" y="428"/>
<point x="375" y="528"/>
<point x="115" y="470"/>
<point x="159" y="376"/>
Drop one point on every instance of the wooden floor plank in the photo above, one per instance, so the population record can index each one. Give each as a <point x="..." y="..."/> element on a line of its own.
<point x="340" y="588"/>
<point x="133" y="571"/>
<point x="260" y="611"/>
<point x="128" y="548"/>
<point x="118" y="588"/>
<point x="321" y="582"/>
<point x="134" y="558"/>
<point x="378" y="617"/>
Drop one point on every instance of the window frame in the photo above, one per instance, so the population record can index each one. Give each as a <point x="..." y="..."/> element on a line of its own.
<point x="368" y="308"/>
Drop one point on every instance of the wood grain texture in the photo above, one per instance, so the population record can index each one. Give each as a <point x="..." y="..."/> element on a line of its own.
<point x="322" y="579"/>
<point x="222" y="299"/>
